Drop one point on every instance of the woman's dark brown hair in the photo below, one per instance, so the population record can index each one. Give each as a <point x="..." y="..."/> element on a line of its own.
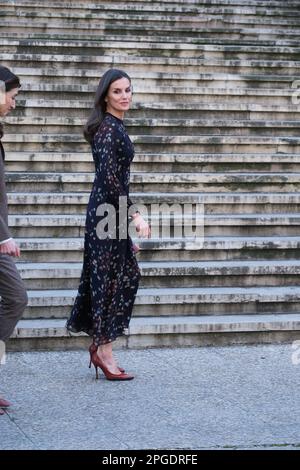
<point x="11" y="81"/>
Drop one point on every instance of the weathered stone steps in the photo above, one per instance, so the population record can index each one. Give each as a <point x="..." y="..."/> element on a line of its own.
<point x="214" y="203"/>
<point x="178" y="274"/>
<point x="209" y="32"/>
<point x="179" y="301"/>
<point x="153" y="63"/>
<point x="178" y="109"/>
<point x="37" y="226"/>
<point x="164" y="94"/>
<point x="64" y="125"/>
<point x="179" y="14"/>
<point x="234" y="36"/>
<point x="199" y="17"/>
<point x="168" y="6"/>
<point x="155" y="143"/>
<point x="88" y="4"/>
<point x="40" y="250"/>
<point x="179" y="182"/>
<point x="166" y="331"/>
<point x="107" y="48"/>
<point x="165" y="162"/>
<point x="48" y="76"/>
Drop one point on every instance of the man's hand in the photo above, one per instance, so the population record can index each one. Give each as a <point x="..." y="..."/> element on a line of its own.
<point x="10" y="248"/>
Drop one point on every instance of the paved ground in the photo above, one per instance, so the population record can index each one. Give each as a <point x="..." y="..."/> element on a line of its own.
<point x="189" y="398"/>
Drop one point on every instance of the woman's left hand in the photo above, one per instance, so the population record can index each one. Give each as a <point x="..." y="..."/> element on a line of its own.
<point x="142" y="227"/>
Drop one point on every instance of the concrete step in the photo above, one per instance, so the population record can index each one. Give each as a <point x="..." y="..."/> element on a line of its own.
<point x="140" y="126"/>
<point x="49" y="161"/>
<point x="89" y="78"/>
<point x="214" y="203"/>
<point x="39" y="226"/>
<point x="152" y="182"/>
<point x="208" y="35"/>
<point x="180" y="301"/>
<point x="252" y="225"/>
<point x="195" y="17"/>
<point x="184" y="248"/>
<point x="173" y="7"/>
<point x="88" y="4"/>
<point x="156" y="7"/>
<point x="60" y="104"/>
<point x="155" y="162"/>
<point x="160" y="274"/>
<point x="165" y="110"/>
<point x="162" y="94"/>
<point x="141" y="7"/>
<point x="169" y="331"/>
<point x="107" y="48"/>
<point x="153" y="63"/>
<point x="213" y="31"/>
<point x="161" y="12"/>
<point x="212" y="182"/>
<point x="159" y="90"/>
<point x="155" y="143"/>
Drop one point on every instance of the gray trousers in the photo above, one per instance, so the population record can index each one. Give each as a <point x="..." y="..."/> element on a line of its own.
<point x="13" y="296"/>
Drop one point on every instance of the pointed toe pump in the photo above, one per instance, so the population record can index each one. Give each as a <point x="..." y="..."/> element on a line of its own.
<point x="96" y="361"/>
<point x="4" y="403"/>
<point x="93" y="349"/>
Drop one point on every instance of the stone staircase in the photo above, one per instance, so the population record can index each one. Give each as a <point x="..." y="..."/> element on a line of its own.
<point x="214" y="121"/>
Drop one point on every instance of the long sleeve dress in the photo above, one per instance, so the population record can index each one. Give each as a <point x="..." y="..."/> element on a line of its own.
<point x="110" y="274"/>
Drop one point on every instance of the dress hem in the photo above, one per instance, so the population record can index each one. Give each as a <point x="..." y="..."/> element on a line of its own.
<point x="90" y="333"/>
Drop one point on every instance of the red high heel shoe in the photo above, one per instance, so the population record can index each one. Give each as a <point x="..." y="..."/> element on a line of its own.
<point x="4" y="403"/>
<point x="93" y="349"/>
<point x="96" y="361"/>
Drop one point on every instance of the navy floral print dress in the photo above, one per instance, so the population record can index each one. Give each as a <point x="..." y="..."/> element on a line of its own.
<point x="110" y="274"/>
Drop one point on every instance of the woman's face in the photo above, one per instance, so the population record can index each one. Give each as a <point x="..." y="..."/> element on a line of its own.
<point x="9" y="102"/>
<point x="119" y="96"/>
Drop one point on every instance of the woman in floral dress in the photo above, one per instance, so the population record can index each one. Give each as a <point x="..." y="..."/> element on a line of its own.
<point x="110" y="275"/>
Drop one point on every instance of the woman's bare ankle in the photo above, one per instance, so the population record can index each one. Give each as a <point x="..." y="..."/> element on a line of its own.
<point x="105" y="354"/>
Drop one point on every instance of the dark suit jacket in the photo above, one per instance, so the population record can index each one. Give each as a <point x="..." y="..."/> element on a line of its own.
<point x="4" y="231"/>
